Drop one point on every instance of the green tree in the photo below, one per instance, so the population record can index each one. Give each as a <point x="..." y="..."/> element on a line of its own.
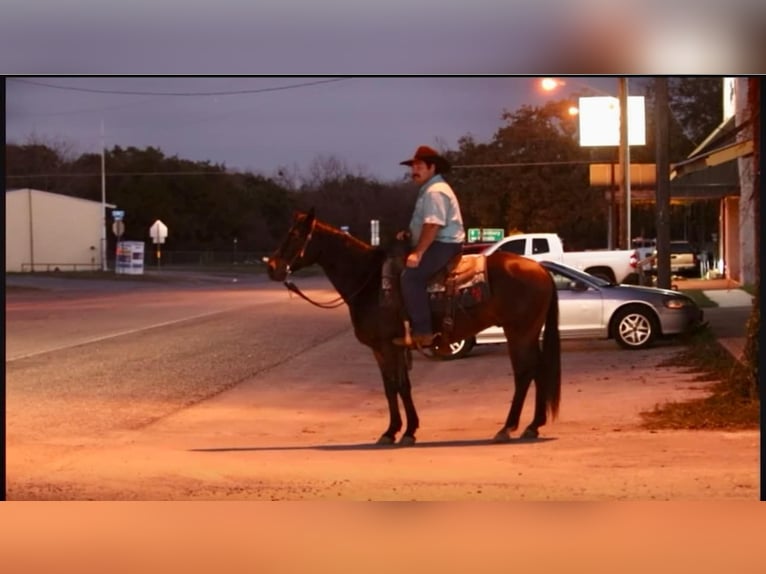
<point x="532" y="176"/>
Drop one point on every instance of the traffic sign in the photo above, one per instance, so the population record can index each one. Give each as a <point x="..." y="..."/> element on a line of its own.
<point x="118" y="227"/>
<point x="485" y="234"/>
<point x="492" y="234"/>
<point x="118" y="214"/>
<point x="158" y="232"/>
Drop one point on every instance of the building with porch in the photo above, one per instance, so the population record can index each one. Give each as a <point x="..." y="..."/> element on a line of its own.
<point x="724" y="167"/>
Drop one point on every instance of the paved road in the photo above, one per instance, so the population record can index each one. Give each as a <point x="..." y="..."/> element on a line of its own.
<point x="240" y="392"/>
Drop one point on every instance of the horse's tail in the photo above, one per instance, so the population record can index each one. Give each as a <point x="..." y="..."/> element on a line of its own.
<point x="551" y="364"/>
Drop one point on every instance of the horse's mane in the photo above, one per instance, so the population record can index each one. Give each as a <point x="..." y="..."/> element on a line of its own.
<point x="351" y="241"/>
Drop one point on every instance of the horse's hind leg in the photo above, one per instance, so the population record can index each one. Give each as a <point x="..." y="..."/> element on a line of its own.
<point x="524" y="361"/>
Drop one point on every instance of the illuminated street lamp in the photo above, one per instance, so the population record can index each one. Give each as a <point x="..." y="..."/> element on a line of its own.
<point x="604" y="121"/>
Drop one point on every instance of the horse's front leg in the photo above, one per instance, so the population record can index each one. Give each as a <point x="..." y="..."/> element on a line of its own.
<point x="405" y="391"/>
<point x="390" y="387"/>
<point x="396" y="382"/>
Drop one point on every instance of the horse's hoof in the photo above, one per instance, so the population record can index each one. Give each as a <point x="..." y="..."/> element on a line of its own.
<point x="407" y="440"/>
<point x="385" y="440"/>
<point x="530" y="433"/>
<point x="502" y="436"/>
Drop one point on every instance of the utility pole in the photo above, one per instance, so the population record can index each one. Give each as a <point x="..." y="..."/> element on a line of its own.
<point x="663" y="181"/>
<point x="103" y="200"/>
<point x="625" y="158"/>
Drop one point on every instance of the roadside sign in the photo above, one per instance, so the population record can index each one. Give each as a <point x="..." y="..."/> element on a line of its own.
<point x="492" y="234"/>
<point x="118" y="214"/>
<point x="118" y="227"/>
<point x="158" y="232"/>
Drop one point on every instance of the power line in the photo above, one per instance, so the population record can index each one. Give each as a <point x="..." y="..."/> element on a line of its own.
<point x="523" y="164"/>
<point x="121" y="173"/>
<point x="140" y="93"/>
<point x="230" y="173"/>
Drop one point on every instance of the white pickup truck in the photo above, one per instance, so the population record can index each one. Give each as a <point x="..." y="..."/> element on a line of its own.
<point x="617" y="266"/>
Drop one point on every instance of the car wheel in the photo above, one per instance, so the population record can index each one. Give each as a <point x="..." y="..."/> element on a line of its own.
<point x="456" y="349"/>
<point x="635" y="328"/>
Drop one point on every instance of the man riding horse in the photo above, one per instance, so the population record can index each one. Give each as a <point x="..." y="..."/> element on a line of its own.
<point x="436" y="234"/>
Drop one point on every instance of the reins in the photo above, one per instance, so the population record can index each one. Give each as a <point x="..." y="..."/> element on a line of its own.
<point x="337" y="302"/>
<point x="328" y="305"/>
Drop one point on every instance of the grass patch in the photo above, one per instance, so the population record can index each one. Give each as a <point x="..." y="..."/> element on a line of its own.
<point x="699" y="297"/>
<point x="732" y="403"/>
<point x="749" y="288"/>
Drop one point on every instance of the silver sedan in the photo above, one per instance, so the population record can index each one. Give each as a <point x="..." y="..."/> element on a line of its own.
<point x="592" y="308"/>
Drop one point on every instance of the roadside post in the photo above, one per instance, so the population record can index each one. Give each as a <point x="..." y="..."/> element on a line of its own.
<point x="158" y="232"/>
<point x="118" y="228"/>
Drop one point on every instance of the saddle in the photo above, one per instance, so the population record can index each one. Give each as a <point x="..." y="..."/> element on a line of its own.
<point x="462" y="284"/>
<point x="462" y="272"/>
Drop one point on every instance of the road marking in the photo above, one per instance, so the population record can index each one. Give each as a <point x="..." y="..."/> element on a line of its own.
<point x="114" y="335"/>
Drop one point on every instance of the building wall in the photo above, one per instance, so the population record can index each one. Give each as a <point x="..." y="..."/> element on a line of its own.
<point x="49" y="230"/>
<point x="17" y="229"/>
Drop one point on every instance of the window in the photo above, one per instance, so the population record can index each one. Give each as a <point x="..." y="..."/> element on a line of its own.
<point x="562" y="283"/>
<point x="540" y="245"/>
<point x="516" y="246"/>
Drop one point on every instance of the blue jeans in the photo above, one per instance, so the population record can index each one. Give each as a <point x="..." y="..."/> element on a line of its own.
<point x="414" y="282"/>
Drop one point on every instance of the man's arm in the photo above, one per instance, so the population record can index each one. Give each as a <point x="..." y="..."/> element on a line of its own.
<point x="427" y="236"/>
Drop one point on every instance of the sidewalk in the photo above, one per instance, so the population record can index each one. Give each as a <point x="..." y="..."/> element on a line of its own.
<point x="728" y="321"/>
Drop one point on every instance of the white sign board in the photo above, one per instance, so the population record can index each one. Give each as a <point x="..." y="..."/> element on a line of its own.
<point x="158" y="232"/>
<point x="600" y="121"/>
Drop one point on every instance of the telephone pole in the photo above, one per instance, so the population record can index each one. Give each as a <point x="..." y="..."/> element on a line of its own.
<point x="663" y="182"/>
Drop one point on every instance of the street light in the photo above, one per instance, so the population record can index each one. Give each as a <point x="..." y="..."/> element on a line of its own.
<point x="622" y="107"/>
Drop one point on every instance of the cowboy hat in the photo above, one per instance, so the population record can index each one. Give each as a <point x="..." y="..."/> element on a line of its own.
<point x="425" y="153"/>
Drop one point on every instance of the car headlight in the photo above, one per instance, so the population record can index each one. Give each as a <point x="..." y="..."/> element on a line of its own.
<point x="678" y="303"/>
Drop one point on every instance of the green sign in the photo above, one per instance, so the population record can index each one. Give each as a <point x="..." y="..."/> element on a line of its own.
<point x="489" y="234"/>
<point x="492" y="234"/>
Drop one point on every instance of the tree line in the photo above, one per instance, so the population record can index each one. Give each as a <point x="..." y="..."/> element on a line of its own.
<point x="532" y="175"/>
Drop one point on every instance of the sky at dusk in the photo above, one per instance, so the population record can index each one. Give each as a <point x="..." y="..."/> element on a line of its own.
<point x="450" y="62"/>
<point x="262" y="124"/>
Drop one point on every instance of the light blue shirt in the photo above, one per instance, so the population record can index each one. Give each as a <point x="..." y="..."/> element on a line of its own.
<point x="437" y="203"/>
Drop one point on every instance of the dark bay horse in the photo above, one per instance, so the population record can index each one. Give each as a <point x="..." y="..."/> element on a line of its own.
<point x="523" y="300"/>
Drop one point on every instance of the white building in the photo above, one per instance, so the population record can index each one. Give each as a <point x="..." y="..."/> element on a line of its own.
<point x="47" y="231"/>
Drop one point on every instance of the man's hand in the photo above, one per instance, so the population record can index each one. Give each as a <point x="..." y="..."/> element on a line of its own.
<point x="413" y="259"/>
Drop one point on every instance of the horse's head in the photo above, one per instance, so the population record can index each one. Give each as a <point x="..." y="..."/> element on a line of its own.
<point x="294" y="252"/>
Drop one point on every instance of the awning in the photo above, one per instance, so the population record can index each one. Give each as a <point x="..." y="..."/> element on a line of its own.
<point x="719" y="147"/>
<point x="711" y="158"/>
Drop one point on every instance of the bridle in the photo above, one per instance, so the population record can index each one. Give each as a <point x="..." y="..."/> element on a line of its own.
<point x="337" y="302"/>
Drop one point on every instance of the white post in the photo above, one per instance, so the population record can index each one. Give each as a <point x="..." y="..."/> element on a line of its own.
<point x="103" y="200"/>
